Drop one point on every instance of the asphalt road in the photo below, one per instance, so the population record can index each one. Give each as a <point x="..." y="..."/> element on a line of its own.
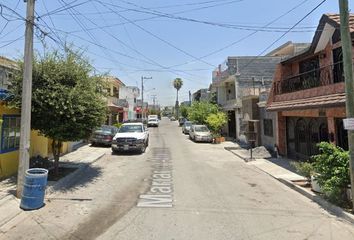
<point x="177" y="190"/>
<point x="218" y="196"/>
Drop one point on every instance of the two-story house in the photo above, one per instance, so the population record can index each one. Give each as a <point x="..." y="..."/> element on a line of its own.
<point x="308" y="93"/>
<point x="130" y="94"/>
<point x="239" y="78"/>
<point x="202" y="95"/>
<point x="117" y="108"/>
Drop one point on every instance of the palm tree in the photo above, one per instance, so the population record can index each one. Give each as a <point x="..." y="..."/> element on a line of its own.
<point x="177" y="83"/>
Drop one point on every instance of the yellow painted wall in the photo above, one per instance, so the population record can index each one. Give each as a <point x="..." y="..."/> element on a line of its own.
<point x="40" y="145"/>
<point x="8" y="161"/>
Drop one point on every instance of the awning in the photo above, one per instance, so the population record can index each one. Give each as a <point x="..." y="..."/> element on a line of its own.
<point x="115" y="108"/>
<point x="332" y="100"/>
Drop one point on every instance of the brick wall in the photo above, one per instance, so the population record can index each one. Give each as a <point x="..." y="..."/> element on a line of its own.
<point x="312" y="92"/>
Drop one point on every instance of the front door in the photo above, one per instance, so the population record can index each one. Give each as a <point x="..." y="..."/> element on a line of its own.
<point x="232" y="124"/>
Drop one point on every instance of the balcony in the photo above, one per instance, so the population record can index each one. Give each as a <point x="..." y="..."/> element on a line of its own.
<point x="231" y="104"/>
<point x="316" y="78"/>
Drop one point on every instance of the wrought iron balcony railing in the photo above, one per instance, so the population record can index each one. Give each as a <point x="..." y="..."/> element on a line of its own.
<point x="318" y="77"/>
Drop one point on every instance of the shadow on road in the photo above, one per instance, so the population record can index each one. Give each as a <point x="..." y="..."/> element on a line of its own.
<point x="82" y="177"/>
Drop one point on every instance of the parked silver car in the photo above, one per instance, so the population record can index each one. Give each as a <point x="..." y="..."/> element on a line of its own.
<point x="186" y="127"/>
<point x="200" y="133"/>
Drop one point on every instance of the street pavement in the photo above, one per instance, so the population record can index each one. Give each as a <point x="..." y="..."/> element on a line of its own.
<point x="178" y="189"/>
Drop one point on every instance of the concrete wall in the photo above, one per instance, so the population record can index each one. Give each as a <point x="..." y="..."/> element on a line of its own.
<point x="268" y="141"/>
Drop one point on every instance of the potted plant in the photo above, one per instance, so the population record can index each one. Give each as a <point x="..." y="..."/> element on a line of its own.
<point x="305" y="169"/>
<point x="215" y="122"/>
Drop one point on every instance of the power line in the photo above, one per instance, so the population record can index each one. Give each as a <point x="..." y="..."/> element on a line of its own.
<point x="248" y="35"/>
<point x="12" y="41"/>
<point x="281" y="36"/>
<point x="216" y="24"/>
<point x="161" y="39"/>
<point x="66" y="7"/>
<point x="135" y="49"/>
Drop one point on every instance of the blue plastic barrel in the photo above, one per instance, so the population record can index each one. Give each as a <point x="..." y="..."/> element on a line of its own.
<point x="34" y="188"/>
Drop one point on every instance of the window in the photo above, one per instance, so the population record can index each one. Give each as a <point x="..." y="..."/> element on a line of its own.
<point x="338" y="72"/>
<point x="10" y="137"/>
<point x="268" y="127"/>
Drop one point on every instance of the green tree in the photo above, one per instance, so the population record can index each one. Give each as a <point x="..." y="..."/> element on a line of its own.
<point x="199" y="111"/>
<point x="67" y="101"/>
<point x="184" y="111"/>
<point x="215" y="122"/>
<point x="177" y="84"/>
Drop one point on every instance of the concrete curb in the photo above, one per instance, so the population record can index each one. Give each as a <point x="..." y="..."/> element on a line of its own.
<point x="339" y="212"/>
<point x="69" y="178"/>
<point x="238" y="155"/>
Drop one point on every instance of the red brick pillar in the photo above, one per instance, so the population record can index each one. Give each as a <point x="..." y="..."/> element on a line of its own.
<point x="331" y="124"/>
<point x="281" y="134"/>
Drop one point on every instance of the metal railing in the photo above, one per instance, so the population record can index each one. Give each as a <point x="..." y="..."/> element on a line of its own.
<point x="315" y="78"/>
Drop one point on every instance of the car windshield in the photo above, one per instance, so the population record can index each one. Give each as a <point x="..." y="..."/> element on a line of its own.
<point x="105" y="129"/>
<point x="201" y="129"/>
<point x="187" y="124"/>
<point x="131" y="128"/>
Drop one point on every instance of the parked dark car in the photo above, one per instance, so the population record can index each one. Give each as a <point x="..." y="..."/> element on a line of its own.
<point x="103" y="135"/>
<point x="181" y="120"/>
<point x="186" y="127"/>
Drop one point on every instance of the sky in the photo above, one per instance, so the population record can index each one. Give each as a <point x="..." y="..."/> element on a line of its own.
<point x="162" y="39"/>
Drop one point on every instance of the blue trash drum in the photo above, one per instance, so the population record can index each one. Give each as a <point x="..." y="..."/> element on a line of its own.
<point x="34" y="188"/>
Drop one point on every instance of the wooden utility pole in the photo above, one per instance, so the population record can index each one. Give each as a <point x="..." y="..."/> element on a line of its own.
<point x="26" y="99"/>
<point x="142" y="97"/>
<point x="349" y="81"/>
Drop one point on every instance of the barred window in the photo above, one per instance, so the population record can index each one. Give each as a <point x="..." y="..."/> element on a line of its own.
<point x="268" y="127"/>
<point x="10" y="134"/>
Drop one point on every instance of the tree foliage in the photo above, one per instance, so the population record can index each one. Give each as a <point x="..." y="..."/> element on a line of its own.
<point x="177" y="84"/>
<point x="216" y="121"/>
<point x="67" y="101"/>
<point x="199" y="111"/>
<point x="184" y="111"/>
<point x="332" y="167"/>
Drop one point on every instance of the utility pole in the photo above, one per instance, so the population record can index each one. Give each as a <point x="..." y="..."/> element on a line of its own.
<point x="142" y="95"/>
<point x="190" y="98"/>
<point x="25" y="131"/>
<point x="153" y="100"/>
<point x="349" y="81"/>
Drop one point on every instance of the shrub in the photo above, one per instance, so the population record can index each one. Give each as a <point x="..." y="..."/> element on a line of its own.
<point x="215" y="122"/>
<point x="118" y="125"/>
<point x="332" y="166"/>
<point x="304" y="169"/>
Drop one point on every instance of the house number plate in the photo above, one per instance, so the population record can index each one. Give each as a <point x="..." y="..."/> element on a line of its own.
<point x="348" y="123"/>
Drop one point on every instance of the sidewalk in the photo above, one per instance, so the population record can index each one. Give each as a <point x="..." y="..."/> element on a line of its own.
<point x="283" y="171"/>
<point x="81" y="158"/>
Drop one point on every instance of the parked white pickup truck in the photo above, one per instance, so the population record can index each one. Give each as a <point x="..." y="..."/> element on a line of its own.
<point x="131" y="137"/>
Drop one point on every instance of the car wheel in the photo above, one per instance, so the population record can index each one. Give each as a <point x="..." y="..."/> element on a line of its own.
<point x="143" y="148"/>
<point x="115" y="151"/>
<point x="147" y="142"/>
<point x="93" y="144"/>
